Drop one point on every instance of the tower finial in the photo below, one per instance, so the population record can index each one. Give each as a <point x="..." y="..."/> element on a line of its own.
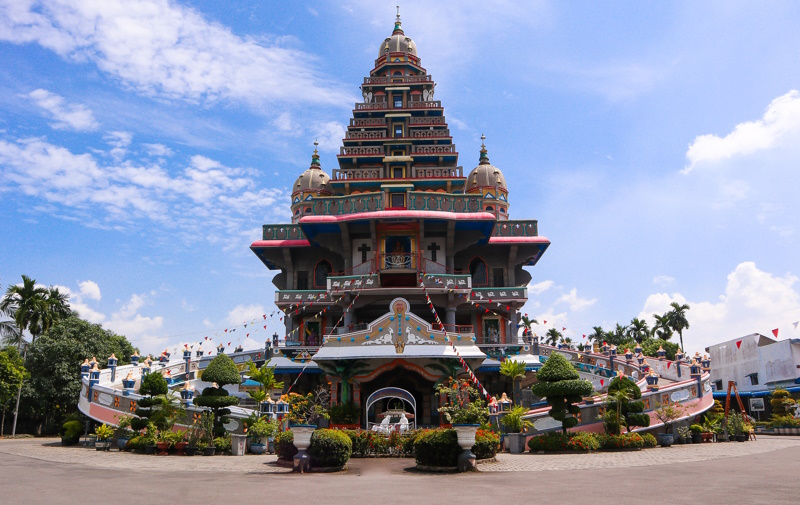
<point x="397" y="24"/>
<point x="315" y="156"/>
<point x="484" y="160"/>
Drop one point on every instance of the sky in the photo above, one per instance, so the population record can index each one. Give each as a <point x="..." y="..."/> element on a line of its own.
<point x="143" y="144"/>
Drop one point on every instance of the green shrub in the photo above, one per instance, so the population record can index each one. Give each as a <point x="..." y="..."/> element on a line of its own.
<point x="622" y="441"/>
<point x="649" y="440"/>
<point x="486" y="445"/>
<point x="104" y="432"/>
<point x="514" y="421"/>
<point x="153" y="384"/>
<point x="781" y="400"/>
<point x="223" y="444"/>
<point x="71" y="432"/>
<point x="329" y="448"/>
<point x="696" y="428"/>
<point x="407" y="444"/>
<point x="784" y="421"/>
<point x="573" y="441"/>
<point x="135" y="444"/>
<point x="562" y="387"/>
<point x="348" y="413"/>
<point x="437" y="447"/>
<point x="284" y="445"/>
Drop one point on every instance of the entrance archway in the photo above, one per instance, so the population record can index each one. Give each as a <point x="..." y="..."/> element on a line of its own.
<point x="393" y="393"/>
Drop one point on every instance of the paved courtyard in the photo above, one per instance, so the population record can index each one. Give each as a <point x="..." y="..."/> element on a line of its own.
<point x="41" y="471"/>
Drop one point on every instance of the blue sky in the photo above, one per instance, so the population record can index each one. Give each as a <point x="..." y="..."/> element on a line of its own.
<point x="143" y="145"/>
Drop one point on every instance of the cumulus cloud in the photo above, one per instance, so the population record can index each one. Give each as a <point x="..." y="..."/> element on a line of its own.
<point x="204" y="195"/>
<point x="163" y="49"/>
<point x="539" y="287"/>
<point x="66" y="116"/>
<point x="244" y="314"/>
<point x="754" y="301"/>
<point x="574" y="301"/>
<point x="90" y="289"/>
<point x="781" y="121"/>
<point x="157" y="150"/>
<point x="663" y="280"/>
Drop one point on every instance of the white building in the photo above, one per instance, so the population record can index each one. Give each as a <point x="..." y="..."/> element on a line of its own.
<point x="757" y="363"/>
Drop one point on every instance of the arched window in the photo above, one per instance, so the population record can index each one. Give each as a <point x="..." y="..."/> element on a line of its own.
<point x="489" y="208"/>
<point x="479" y="272"/>
<point x="321" y="273"/>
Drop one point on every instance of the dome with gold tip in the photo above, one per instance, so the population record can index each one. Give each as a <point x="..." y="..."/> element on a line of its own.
<point x="485" y="175"/>
<point x="314" y="179"/>
<point x="398" y="42"/>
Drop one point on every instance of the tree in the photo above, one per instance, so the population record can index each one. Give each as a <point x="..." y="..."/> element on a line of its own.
<point x="677" y="319"/>
<point x="553" y="336"/>
<point x="618" y="335"/>
<point x="638" y="330"/>
<point x="515" y="370"/>
<point x="53" y="362"/>
<point x="156" y="406"/>
<point x="781" y="401"/>
<point x="221" y="371"/>
<point x="662" y="329"/>
<point x="12" y="375"/>
<point x="528" y="322"/>
<point x="345" y="370"/>
<point x="598" y="335"/>
<point x="651" y="345"/>
<point x="9" y="333"/>
<point x="265" y="377"/>
<point x="623" y="402"/>
<point x="562" y="387"/>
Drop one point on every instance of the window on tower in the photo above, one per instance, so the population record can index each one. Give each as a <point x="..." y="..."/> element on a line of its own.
<point x="398" y="130"/>
<point x="302" y="279"/>
<point x="398" y="200"/>
<point x="398" y="101"/>
<point x="321" y="273"/>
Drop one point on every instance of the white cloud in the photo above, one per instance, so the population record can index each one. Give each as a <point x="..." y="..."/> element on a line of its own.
<point x="67" y="116"/>
<point x="244" y="314"/>
<point x="663" y="280"/>
<point x="89" y="289"/>
<point x="205" y="195"/>
<point x="539" y="287"/>
<point x="329" y="135"/>
<point x="157" y="150"/>
<point x="781" y="120"/>
<point x="574" y="301"/>
<point x="161" y="48"/>
<point x="754" y="301"/>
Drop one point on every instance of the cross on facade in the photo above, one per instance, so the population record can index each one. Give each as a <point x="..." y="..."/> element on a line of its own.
<point x="433" y="248"/>
<point x="364" y="249"/>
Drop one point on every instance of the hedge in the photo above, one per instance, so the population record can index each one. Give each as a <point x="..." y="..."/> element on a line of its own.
<point x="437" y="447"/>
<point x="284" y="445"/>
<point x="486" y="445"/>
<point x="329" y="448"/>
<point x="584" y="441"/>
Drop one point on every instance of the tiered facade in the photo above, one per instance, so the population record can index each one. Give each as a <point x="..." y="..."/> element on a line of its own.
<point x="397" y="236"/>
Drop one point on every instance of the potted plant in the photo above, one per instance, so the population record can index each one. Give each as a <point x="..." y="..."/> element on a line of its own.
<point x="150" y="438"/>
<point x="467" y="412"/>
<point x="178" y="440"/>
<point x="667" y="413"/>
<point x="697" y="433"/>
<point x="104" y="434"/>
<point x="194" y="435"/>
<point x="515" y="424"/>
<point x="260" y="432"/>
<point x="207" y="443"/>
<point x="163" y="442"/>
<point x="304" y="412"/>
<point x="736" y="424"/>
<point x="124" y="431"/>
<point x="684" y="433"/>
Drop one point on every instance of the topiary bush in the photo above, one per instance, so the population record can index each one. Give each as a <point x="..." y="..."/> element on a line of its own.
<point x="624" y="398"/>
<point x="649" y="440"/>
<point x="437" y="448"/>
<point x="554" y="442"/>
<point x="152" y="388"/>
<point x="284" y="445"/>
<point x="329" y="448"/>
<point x="71" y="432"/>
<point x="562" y="387"/>
<point x="222" y="371"/>
<point x="486" y="445"/>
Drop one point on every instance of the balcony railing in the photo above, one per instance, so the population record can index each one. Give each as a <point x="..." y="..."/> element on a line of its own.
<point x="398" y="261"/>
<point x="348" y="174"/>
<point x="372" y="134"/>
<point x="417" y="172"/>
<point x="389" y="80"/>
<point x="433" y="104"/>
<point x="431" y="133"/>
<point x="362" y="151"/>
<point x="433" y="149"/>
<point x="499" y="294"/>
<point x="422" y="200"/>
<point x="516" y="229"/>
<point x="282" y="232"/>
<point x="368" y="121"/>
<point x="426" y="120"/>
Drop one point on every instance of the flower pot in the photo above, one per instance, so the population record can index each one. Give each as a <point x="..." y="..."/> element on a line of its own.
<point x="162" y="448"/>
<point x="190" y="451"/>
<point x="180" y="448"/>
<point x="665" y="439"/>
<point x="150" y="449"/>
<point x="209" y="451"/>
<point x="271" y="446"/>
<point x="102" y="445"/>
<point x="741" y="438"/>
<point x="466" y="439"/>
<point x="258" y="448"/>
<point x="302" y="435"/>
<point x="697" y="438"/>
<point x="121" y="443"/>
<point x="238" y="444"/>
<point x="515" y="442"/>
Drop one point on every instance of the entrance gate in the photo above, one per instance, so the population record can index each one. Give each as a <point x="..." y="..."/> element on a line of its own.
<point x="392" y="392"/>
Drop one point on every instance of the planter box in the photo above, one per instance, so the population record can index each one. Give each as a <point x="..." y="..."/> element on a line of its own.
<point x="515" y="442"/>
<point x="665" y="439"/>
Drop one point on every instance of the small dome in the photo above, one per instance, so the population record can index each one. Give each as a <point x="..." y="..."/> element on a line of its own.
<point x="314" y="178"/>
<point x="398" y="42"/>
<point x="485" y="174"/>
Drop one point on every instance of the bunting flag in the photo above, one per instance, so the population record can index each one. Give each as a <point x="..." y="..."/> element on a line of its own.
<point x="668" y="364"/>
<point x="738" y="344"/>
<point x="775" y="332"/>
<point x="795" y="324"/>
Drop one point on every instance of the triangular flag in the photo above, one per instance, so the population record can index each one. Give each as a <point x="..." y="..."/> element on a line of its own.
<point x="668" y="364"/>
<point x="601" y="381"/>
<point x="545" y="321"/>
<point x="775" y="332"/>
<point x="563" y="329"/>
<point x="795" y="324"/>
<point x="584" y="335"/>
<point x="738" y="344"/>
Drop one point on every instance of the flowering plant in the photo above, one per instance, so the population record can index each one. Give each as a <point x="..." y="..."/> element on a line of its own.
<point x="464" y="405"/>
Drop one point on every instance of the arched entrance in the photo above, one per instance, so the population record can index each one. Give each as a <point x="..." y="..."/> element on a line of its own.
<point x="394" y="393"/>
<point x="399" y="374"/>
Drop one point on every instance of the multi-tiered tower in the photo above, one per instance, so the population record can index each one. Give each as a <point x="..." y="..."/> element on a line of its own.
<point x="398" y="237"/>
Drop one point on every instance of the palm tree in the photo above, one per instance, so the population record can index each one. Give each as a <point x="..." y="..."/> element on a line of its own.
<point x="9" y="334"/>
<point x="515" y="370"/>
<point x="567" y="342"/>
<point x="528" y="322"/>
<point x="617" y="336"/>
<point x="662" y="329"/>
<point x="598" y="336"/>
<point x="345" y="370"/>
<point x="265" y="376"/>
<point x="638" y="330"/>
<point x="35" y="309"/>
<point x="449" y="368"/>
<point x="553" y="336"/>
<point x="677" y="319"/>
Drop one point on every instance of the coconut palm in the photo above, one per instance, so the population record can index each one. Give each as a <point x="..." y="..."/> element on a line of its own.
<point x="449" y="369"/>
<point x="662" y="329"/>
<point x="345" y="370"/>
<point x="553" y="336"/>
<point x="567" y="342"/>
<point x="515" y="370"/>
<point x="598" y="335"/>
<point x="528" y="322"/>
<point x="638" y="330"/>
<point x="677" y="319"/>
<point x="9" y="334"/>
